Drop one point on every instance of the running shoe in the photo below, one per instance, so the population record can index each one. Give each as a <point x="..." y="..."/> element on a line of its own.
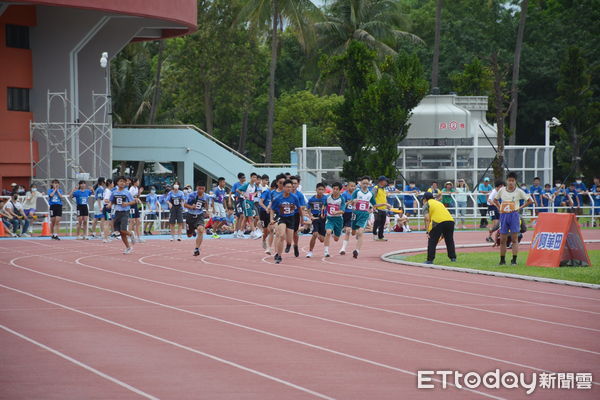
<point x="513" y="262"/>
<point x="326" y="254"/>
<point x="296" y="251"/>
<point x="128" y="250"/>
<point x="309" y="254"/>
<point x="287" y="248"/>
<point x="215" y="236"/>
<point x="502" y="262"/>
<point x="196" y="252"/>
<point x="355" y="254"/>
<point x="342" y="252"/>
<point x="277" y="258"/>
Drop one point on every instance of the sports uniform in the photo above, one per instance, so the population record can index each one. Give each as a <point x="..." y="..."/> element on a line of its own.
<point x="263" y="214"/>
<point x="121" y="218"/>
<point x="55" y="202"/>
<point x="99" y="203"/>
<point x="196" y="215"/>
<point x="176" y="198"/>
<point x="316" y="205"/>
<point x="360" y="214"/>
<point x="348" y="210"/>
<point x="510" y="220"/>
<point x="286" y="209"/>
<point x="335" y="222"/>
<point x="135" y="211"/>
<point x="81" y="199"/>
<point x="219" y="198"/>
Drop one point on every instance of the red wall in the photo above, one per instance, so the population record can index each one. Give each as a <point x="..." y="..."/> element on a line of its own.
<point x="15" y="71"/>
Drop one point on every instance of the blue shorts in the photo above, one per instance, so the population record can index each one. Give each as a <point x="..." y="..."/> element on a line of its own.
<point x="510" y="223"/>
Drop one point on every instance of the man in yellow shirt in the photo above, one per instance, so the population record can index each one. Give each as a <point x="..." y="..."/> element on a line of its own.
<point x="438" y="222"/>
<point x="380" y="208"/>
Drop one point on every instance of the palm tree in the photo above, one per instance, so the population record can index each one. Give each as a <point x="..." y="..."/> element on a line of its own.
<point x="273" y="15"/>
<point x="373" y="22"/>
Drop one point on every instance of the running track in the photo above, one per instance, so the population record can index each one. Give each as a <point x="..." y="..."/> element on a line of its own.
<point x="80" y="320"/>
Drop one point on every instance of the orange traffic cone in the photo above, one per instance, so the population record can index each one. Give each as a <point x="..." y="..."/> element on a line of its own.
<point x="2" y="231"/>
<point x="45" y="227"/>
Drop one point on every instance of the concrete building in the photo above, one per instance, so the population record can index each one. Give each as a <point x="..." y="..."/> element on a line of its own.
<point x="50" y="76"/>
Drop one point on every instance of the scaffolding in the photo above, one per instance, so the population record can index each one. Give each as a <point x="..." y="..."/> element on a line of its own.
<point x="72" y="151"/>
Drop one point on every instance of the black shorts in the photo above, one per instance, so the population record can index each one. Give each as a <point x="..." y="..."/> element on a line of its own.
<point x="239" y="206"/>
<point x="106" y="213"/>
<point x="120" y="220"/>
<point x="176" y="215"/>
<point x="319" y="226"/>
<point x="493" y="213"/>
<point x="151" y="217"/>
<point x="296" y="221"/>
<point x="290" y="222"/>
<point x="134" y="212"/>
<point x="55" y="210"/>
<point x="193" y="221"/>
<point x="347" y="219"/>
<point x="83" y="210"/>
<point x="264" y="216"/>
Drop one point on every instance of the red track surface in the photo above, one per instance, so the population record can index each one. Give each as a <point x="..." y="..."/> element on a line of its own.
<point x="80" y="320"/>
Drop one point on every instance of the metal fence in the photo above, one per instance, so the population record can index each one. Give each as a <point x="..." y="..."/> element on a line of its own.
<point x="470" y="213"/>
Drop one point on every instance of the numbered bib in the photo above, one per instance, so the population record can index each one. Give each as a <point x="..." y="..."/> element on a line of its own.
<point x="317" y="206"/>
<point x="332" y="209"/>
<point x="362" y="205"/>
<point x="83" y="200"/>
<point x="286" y="209"/>
<point x="175" y="202"/>
<point x="508" y="206"/>
<point x="349" y="207"/>
<point x="199" y="205"/>
<point x="119" y="200"/>
<point x="251" y="196"/>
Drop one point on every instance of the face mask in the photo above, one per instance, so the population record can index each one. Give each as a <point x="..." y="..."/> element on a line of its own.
<point x="557" y="184"/>
<point x="175" y="187"/>
<point x="578" y="181"/>
<point x="34" y="189"/>
<point x="153" y="191"/>
<point x="523" y="187"/>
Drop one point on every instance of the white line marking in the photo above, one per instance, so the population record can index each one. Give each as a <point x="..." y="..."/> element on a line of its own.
<point x="163" y="340"/>
<point x="80" y="364"/>
<point x="284" y="338"/>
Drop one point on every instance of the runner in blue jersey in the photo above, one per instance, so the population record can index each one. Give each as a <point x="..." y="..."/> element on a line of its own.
<point x="265" y="217"/>
<point x="175" y="199"/>
<point x="122" y="200"/>
<point x="197" y="205"/>
<point x="218" y="205"/>
<point x="299" y="214"/>
<point x="351" y="187"/>
<point x="316" y="208"/>
<point x="283" y="215"/>
<point x="55" y="195"/>
<point x="81" y="196"/>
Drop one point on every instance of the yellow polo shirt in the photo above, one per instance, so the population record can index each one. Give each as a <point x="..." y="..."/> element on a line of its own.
<point x="437" y="213"/>
<point x="380" y="197"/>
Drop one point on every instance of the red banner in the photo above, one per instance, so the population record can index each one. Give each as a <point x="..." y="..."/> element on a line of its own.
<point x="557" y="241"/>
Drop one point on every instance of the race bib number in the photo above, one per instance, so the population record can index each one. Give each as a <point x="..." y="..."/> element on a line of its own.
<point x="251" y="196"/>
<point x="175" y="202"/>
<point x="83" y="200"/>
<point x="332" y="209"/>
<point x="508" y="206"/>
<point x="349" y="207"/>
<point x="362" y="205"/>
<point x="317" y="206"/>
<point x="199" y="205"/>
<point x="119" y="200"/>
<point x="286" y="209"/>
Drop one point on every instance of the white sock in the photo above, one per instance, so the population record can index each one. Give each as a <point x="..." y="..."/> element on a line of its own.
<point x="344" y="244"/>
<point x="326" y="249"/>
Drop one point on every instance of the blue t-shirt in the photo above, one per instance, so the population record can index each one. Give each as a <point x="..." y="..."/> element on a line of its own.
<point x="176" y="199"/>
<point x="99" y="194"/>
<point x="230" y="219"/>
<point x="316" y="205"/>
<point x="574" y="196"/>
<point x="482" y="198"/>
<point x="118" y="197"/>
<point x="560" y="195"/>
<point x="409" y="201"/>
<point x="151" y="202"/>
<point x="275" y="194"/>
<point x="301" y="200"/>
<point x="596" y="198"/>
<point x="162" y="200"/>
<point x="220" y="194"/>
<point x="348" y="198"/>
<point x="234" y="189"/>
<point x="537" y="191"/>
<point x="200" y="203"/>
<point x="81" y="196"/>
<point x="266" y="197"/>
<point x="286" y="206"/>
<point x="55" y="199"/>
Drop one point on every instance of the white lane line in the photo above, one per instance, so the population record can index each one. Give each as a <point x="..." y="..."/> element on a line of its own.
<point x="175" y="344"/>
<point x="79" y="363"/>
<point x="440" y="288"/>
<point x="284" y="338"/>
<point x="277" y="308"/>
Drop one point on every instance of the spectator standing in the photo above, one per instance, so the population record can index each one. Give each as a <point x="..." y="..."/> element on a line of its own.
<point x="461" y="201"/>
<point x="484" y="190"/>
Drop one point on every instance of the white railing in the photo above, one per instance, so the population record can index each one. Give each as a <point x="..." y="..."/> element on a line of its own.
<point x="471" y="212"/>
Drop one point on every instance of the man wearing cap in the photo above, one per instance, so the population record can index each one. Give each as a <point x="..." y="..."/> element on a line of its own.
<point x="381" y="208"/>
<point x="484" y="189"/>
<point x="438" y="222"/>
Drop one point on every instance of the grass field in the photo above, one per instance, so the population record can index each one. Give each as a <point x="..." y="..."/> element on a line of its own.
<point x="488" y="261"/>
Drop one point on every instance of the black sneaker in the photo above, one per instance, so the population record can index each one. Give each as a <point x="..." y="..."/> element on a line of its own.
<point x="453" y="260"/>
<point x="502" y="262"/>
<point x="513" y="262"/>
<point x="196" y="252"/>
<point x="277" y="258"/>
<point x="179" y="239"/>
<point x="287" y="248"/>
<point x="355" y="254"/>
<point x="296" y="251"/>
<point x="489" y="239"/>
<point x="56" y="238"/>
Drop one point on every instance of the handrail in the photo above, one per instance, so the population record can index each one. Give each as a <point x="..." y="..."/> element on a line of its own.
<point x="209" y="136"/>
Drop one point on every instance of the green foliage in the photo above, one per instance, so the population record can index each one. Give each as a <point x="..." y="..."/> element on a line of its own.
<point x="303" y="107"/>
<point x="580" y="117"/>
<point x="476" y="79"/>
<point x="373" y="117"/>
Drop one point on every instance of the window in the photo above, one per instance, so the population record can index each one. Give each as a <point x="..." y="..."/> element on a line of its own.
<point x="17" y="36"/>
<point x="18" y="99"/>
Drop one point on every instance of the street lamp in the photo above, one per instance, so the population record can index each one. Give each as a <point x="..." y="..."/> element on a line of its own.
<point x="553" y="123"/>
